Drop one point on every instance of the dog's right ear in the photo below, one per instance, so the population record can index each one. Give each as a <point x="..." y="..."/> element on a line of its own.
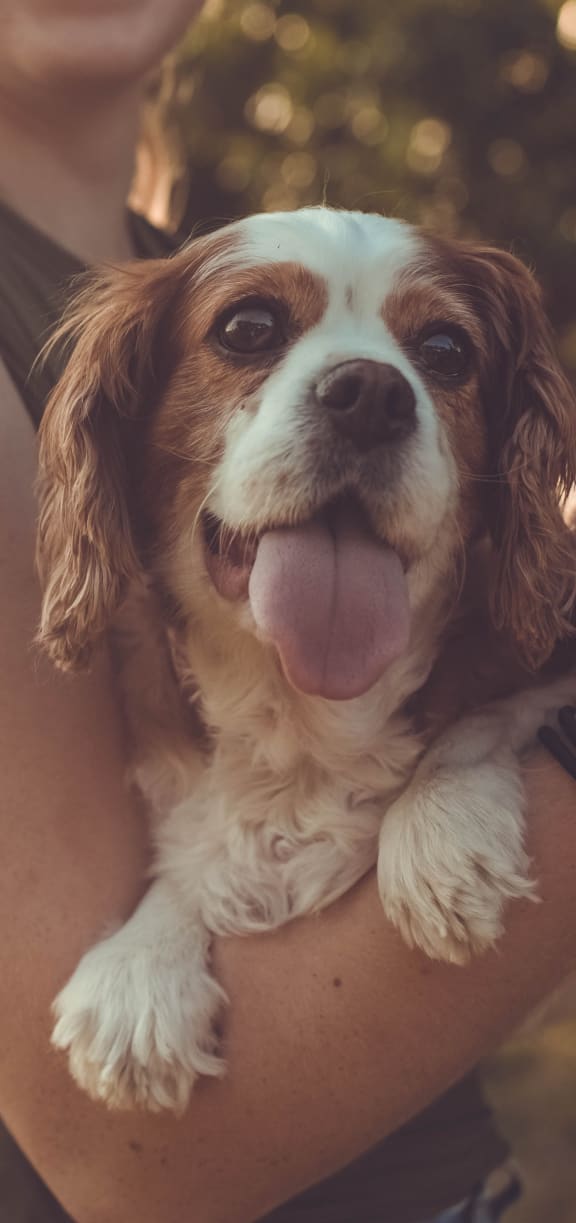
<point x="118" y="337"/>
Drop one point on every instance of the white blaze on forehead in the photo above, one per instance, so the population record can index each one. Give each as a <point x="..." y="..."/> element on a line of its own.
<point x="354" y="252"/>
<point x="350" y="250"/>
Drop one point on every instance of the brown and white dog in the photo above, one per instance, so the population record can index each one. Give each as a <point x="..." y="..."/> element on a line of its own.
<point x="303" y="436"/>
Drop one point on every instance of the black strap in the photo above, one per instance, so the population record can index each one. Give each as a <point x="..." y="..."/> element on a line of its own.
<point x="562" y="747"/>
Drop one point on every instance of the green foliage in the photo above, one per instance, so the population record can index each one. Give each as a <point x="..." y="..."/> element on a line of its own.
<point x="460" y="114"/>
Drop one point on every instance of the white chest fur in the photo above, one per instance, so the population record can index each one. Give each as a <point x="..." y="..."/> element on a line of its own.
<point x="287" y="814"/>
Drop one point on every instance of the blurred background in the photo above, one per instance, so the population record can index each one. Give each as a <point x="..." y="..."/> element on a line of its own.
<point x="460" y="115"/>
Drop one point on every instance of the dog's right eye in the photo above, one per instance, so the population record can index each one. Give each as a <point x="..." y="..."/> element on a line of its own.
<point x="251" y="329"/>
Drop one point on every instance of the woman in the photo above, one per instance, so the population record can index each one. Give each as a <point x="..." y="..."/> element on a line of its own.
<point x="337" y="1033"/>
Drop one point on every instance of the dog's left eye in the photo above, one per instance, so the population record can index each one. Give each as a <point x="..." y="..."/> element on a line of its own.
<point x="445" y="350"/>
<point x="251" y="328"/>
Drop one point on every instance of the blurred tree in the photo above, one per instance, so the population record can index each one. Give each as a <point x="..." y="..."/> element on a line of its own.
<point x="459" y="114"/>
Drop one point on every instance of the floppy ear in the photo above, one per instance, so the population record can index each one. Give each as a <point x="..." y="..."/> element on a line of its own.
<point x="532" y="414"/>
<point x="119" y="356"/>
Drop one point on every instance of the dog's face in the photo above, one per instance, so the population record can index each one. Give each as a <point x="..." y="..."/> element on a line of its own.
<point x="302" y="422"/>
<point x="323" y="379"/>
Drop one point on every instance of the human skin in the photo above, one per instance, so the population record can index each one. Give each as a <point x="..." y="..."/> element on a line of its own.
<point x="72" y="77"/>
<point x="318" y="1070"/>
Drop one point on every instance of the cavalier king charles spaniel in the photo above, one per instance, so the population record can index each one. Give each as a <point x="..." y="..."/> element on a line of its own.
<point x="294" y="468"/>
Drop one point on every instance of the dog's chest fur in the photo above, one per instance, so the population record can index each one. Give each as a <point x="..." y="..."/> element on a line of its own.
<point x="286" y="814"/>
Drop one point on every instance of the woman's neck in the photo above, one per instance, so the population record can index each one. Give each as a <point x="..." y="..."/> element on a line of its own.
<point x="68" y="170"/>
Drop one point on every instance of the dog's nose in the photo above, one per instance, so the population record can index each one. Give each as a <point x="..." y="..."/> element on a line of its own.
<point x="370" y="403"/>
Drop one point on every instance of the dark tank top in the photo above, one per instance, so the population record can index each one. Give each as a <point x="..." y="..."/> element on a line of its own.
<point x="438" y="1158"/>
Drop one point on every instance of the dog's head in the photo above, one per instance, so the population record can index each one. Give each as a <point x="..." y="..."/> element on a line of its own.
<point x="303" y="422"/>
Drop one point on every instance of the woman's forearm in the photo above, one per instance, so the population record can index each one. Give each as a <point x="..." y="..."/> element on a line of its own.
<point x="367" y="1033"/>
<point x="335" y="1036"/>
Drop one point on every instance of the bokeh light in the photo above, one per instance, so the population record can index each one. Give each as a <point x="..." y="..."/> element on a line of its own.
<point x="270" y="109"/>
<point x="258" y="21"/>
<point x="292" y="32"/>
<point x="429" y="140"/>
<point x="506" y="157"/>
<point x="566" y="25"/>
<point x="525" y="70"/>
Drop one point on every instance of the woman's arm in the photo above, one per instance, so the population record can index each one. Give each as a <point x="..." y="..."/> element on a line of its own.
<point x="337" y="1033"/>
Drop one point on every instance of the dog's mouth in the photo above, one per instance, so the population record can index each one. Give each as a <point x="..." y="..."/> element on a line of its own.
<point x="229" y="555"/>
<point x="327" y="593"/>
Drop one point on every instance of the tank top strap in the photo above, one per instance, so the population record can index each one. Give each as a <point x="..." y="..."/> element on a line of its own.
<point x="37" y="280"/>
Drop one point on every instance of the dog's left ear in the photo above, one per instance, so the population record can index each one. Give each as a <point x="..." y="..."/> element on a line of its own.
<point x="532" y="414"/>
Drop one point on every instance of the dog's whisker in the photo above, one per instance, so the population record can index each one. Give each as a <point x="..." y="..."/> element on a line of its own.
<point x="201" y="509"/>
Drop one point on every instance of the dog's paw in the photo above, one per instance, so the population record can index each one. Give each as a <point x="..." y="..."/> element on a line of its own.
<point x="138" y="1025"/>
<point x="451" y="856"/>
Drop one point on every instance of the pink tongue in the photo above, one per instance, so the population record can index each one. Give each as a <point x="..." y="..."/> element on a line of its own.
<point x="334" y="603"/>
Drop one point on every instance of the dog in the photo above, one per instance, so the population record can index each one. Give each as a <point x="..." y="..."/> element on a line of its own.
<point x="294" y="465"/>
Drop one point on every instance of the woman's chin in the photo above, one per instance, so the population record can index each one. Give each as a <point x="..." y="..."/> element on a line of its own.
<point x="60" y="43"/>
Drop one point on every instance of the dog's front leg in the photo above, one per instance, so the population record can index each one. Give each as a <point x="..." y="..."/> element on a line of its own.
<point x="451" y="847"/>
<point x="137" y="1016"/>
<point x="451" y="853"/>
